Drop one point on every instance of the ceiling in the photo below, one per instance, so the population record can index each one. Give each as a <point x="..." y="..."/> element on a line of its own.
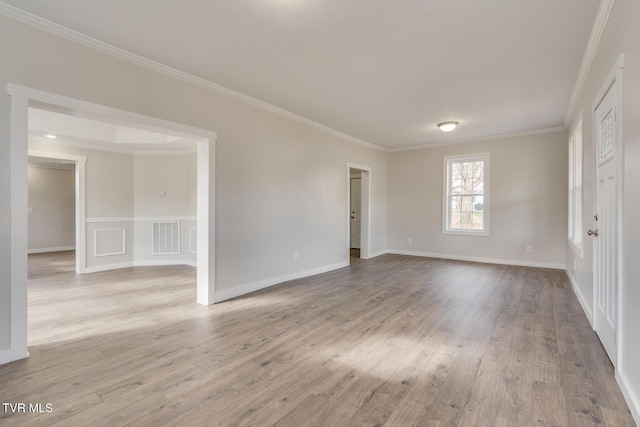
<point x="101" y="135"/>
<point x="383" y="71"/>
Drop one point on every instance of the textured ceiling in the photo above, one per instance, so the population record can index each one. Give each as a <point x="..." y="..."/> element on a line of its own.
<point x="384" y="71"/>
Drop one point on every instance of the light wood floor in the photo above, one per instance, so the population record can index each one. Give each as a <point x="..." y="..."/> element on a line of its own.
<point x="393" y="341"/>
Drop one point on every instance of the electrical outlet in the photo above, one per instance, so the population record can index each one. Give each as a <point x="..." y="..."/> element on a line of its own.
<point x="529" y="249"/>
<point x="296" y="256"/>
<point x="29" y="210"/>
<point x="161" y="193"/>
<point x="410" y="241"/>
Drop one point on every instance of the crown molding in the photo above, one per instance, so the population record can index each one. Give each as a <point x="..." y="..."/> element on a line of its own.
<point x="165" y="152"/>
<point x="480" y="139"/>
<point x="85" y="146"/>
<point x="54" y="166"/>
<point x="604" y="12"/>
<point x="119" y="150"/>
<point x="75" y="36"/>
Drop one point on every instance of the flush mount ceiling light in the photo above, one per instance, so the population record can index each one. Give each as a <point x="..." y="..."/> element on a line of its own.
<point x="50" y="136"/>
<point x="447" y="126"/>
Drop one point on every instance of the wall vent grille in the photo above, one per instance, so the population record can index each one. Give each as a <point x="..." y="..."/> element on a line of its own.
<point x="165" y="238"/>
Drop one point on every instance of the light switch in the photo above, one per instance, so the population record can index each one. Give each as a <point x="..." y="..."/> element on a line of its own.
<point x="161" y="193"/>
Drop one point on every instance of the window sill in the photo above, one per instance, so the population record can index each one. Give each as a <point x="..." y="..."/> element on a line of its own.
<point x="484" y="233"/>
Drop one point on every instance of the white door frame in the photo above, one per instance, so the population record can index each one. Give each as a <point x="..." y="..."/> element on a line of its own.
<point x="355" y="206"/>
<point x="20" y="98"/>
<point x="80" y="225"/>
<point x="365" y="217"/>
<point x="613" y="78"/>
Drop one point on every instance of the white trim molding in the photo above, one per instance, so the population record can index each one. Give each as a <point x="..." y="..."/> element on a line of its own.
<point x="108" y="267"/>
<point x="80" y="201"/>
<point x="447" y="162"/>
<point x="77" y="37"/>
<point x="377" y="254"/>
<point x="604" y="12"/>
<point x="365" y="210"/>
<point x="479" y="139"/>
<point x="121" y="149"/>
<point x="633" y="401"/>
<point x="55" y="249"/>
<point x="19" y="225"/>
<point x="129" y="264"/>
<point x="581" y="299"/>
<point x="141" y="219"/>
<point x="193" y="240"/>
<point x="5" y="356"/>
<point x="237" y="291"/>
<point x="20" y="98"/>
<point x="123" y="251"/>
<point x="479" y="259"/>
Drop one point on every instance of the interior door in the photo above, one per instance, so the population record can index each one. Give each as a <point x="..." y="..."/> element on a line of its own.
<point x="356" y="212"/>
<point x="605" y="230"/>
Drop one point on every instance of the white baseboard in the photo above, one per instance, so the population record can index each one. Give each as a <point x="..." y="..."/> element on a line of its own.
<point x="479" y="259"/>
<point x="261" y="284"/>
<point x="155" y="263"/>
<point x="152" y="263"/>
<point x="581" y="299"/>
<point x="632" y="400"/>
<point x="107" y="267"/>
<point x="5" y="356"/>
<point x="56" y="249"/>
<point x="377" y="254"/>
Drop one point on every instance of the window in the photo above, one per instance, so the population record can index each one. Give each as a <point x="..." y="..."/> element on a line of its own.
<point x="466" y="194"/>
<point x="575" y="187"/>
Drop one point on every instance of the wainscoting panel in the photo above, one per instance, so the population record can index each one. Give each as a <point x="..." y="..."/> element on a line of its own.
<point x="110" y="242"/>
<point x="193" y="240"/>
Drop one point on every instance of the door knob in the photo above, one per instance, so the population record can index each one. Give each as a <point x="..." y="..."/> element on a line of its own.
<point x="593" y="233"/>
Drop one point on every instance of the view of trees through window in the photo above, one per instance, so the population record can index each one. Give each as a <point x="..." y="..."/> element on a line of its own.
<point x="467" y="195"/>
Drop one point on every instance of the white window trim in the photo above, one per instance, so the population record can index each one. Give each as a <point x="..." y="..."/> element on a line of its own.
<point x="447" y="160"/>
<point x="576" y="167"/>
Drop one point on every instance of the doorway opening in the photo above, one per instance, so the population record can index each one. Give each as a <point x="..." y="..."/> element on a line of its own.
<point x="358" y="211"/>
<point x="56" y="210"/>
<point x="52" y="212"/>
<point x="22" y="99"/>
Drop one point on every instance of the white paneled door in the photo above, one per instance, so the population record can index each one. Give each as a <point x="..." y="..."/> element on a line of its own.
<point x="356" y="212"/>
<point x="605" y="229"/>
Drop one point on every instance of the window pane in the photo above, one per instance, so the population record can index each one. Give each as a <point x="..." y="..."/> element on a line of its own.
<point x="463" y="216"/>
<point x="478" y="203"/>
<point x="575" y="187"/>
<point x="456" y="173"/>
<point x="456" y="186"/>
<point x="466" y="207"/>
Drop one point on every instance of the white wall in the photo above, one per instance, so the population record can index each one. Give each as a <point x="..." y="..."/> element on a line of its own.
<point x="109" y="202"/>
<point x="122" y="203"/>
<point x="153" y="173"/>
<point x="176" y="176"/>
<point x="620" y="36"/>
<point x="280" y="183"/>
<point x="528" y="202"/>
<point x="52" y="200"/>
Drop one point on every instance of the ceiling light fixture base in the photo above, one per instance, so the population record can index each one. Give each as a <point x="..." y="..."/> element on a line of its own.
<point x="447" y="126"/>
